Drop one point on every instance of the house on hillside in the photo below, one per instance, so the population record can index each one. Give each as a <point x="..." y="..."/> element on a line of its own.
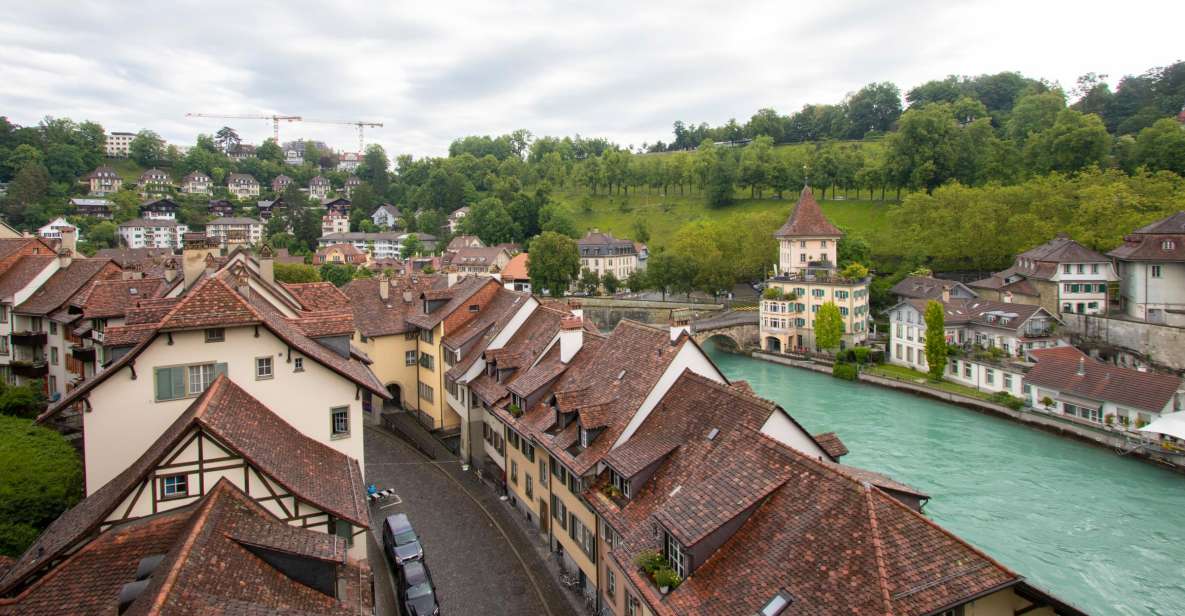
<point x="386" y="216"/>
<point x="602" y="253"/>
<point x="118" y="144"/>
<point x="196" y="183"/>
<point x="1151" y="265"/>
<point x="1060" y="275"/>
<point x="159" y="209"/>
<point x="98" y="208"/>
<point x="319" y="188"/>
<point x="104" y="180"/>
<point x="242" y="185"/>
<point x="280" y="183"/>
<point x="155" y="183"/>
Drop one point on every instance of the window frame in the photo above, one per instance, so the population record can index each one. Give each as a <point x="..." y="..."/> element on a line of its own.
<point x="163" y="483"/>
<point x="271" y="368"/>
<point x="411" y="358"/>
<point x="215" y="334"/>
<point x="334" y="413"/>
<point x="298" y="364"/>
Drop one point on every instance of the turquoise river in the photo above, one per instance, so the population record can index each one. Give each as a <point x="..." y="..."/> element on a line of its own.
<point x="1103" y="532"/>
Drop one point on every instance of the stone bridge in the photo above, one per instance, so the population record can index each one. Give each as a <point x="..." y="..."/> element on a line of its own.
<point x="738" y="327"/>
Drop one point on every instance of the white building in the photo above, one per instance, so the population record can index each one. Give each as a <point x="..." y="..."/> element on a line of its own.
<point x="455" y="218"/>
<point x="53" y="230"/>
<point x="152" y="233"/>
<point x="602" y="253"/>
<point x="117" y="144"/>
<point x="294" y="157"/>
<point x="196" y="183"/>
<point x="242" y="185"/>
<point x="232" y="230"/>
<point x="349" y="161"/>
<point x="1152" y="272"/>
<point x="334" y="223"/>
<point x="382" y="245"/>
<point x="1060" y="275"/>
<point x="994" y="340"/>
<point x="386" y="216"/>
<point x="319" y="188"/>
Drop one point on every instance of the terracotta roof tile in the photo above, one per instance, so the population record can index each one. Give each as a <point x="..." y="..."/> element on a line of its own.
<point x="21" y="273"/>
<point x="830" y="443"/>
<point x="517" y="268"/>
<point x="314" y="296"/>
<point x="375" y="317"/>
<point x="1058" y="368"/>
<point x="106" y="299"/>
<point x="807" y="219"/>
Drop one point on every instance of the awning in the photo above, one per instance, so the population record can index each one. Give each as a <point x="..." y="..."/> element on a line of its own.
<point x="1172" y="425"/>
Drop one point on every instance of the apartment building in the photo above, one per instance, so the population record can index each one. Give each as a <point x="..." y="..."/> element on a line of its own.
<point x="159" y="209"/>
<point x="350" y="184"/>
<point x="319" y="188"/>
<point x="98" y="208"/>
<point x="104" y="180"/>
<point x="476" y="260"/>
<point x="230" y="230"/>
<point x="152" y="233"/>
<point x="196" y="183"/>
<point x="342" y="254"/>
<point x="1151" y="265"/>
<point x="242" y="186"/>
<point x="602" y="253"/>
<point x="386" y="216"/>
<point x="118" y="144"/>
<point x="280" y="183"/>
<point x="381" y="245"/>
<point x="807" y="278"/>
<point x="25" y="265"/>
<point x="155" y="183"/>
<point x="334" y="222"/>
<point x="349" y="161"/>
<point x="1060" y="275"/>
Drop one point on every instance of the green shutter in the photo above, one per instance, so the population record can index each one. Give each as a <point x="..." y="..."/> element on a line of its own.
<point x="164" y="383"/>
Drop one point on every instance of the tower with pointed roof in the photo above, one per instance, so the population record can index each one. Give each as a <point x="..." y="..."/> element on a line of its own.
<point x="807" y="277"/>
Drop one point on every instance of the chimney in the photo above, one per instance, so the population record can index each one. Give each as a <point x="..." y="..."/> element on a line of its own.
<point x="575" y="306"/>
<point x="267" y="264"/>
<point x="408" y="297"/>
<point x="130" y="272"/>
<point x="242" y="280"/>
<point x="571" y="337"/>
<point x="453" y="277"/>
<point x="384" y="287"/>
<point x="170" y="270"/>
<point x="65" y="257"/>
<point x="193" y="260"/>
<point x="946" y="295"/>
<point x="70" y="239"/>
<point x="1081" y="366"/>
<point x="680" y="323"/>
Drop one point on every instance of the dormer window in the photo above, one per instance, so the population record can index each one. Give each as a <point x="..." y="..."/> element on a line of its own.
<point x="585" y="437"/>
<point x="621" y="483"/>
<point x="676" y="555"/>
<point x="777" y="605"/>
<point x="1168" y="245"/>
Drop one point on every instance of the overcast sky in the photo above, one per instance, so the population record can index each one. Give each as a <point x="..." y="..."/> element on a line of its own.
<point x="434" y="71"/>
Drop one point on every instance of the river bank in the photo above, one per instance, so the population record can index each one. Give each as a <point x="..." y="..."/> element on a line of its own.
<point x="1115" y="440"/>
<point x="1099" y="530"/>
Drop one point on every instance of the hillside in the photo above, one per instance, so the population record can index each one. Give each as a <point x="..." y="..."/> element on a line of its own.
<point x="665" y="215"/>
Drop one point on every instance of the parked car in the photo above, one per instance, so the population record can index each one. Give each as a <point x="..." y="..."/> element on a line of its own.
<point x="417" y="593"/>
<point x="400" y="541"/>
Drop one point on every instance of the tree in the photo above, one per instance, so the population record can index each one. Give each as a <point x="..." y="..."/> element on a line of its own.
<point x="590" y="282"/>
<point x="30" y="185"/>
<point x="1162" y="147"/>
<point x="410" y="246"/>
<point x="1033" y="114"/>
<point x="337" y="273"/>
<point x="102" y="234"/>
<point x="922" y="152"/>
<point x="1074" y="142"/>
<point x="269" y="150"/>
<point x="935" y="339"/>
<point x="828" y="327"/>
<point x="874" y="108"/>
<point x="854" y="271"/>
<point x="555" y="262"/>
<point x="294" y="273"/>
<point x="228" y="139"/>
<point x="489" y="220"/>
<point x="147" y="148"/>
<point x="719" y="173"/>
<point x="662" y="272"/>
<point x="42" y="478"/>
<point x="610" y="282"/>
<point x="636" y="282"/>
<point x="641" y="230"/>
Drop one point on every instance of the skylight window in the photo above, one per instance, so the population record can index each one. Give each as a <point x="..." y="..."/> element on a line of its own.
<point x="777" y="604"/>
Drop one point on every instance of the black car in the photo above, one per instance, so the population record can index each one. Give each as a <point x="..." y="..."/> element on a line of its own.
<point x="417" y="594"/>
<point x="400" y="541"/>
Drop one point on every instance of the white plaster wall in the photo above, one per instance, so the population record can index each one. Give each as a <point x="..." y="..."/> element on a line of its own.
<point x="780" y="428"/>
<point x="125" y="418"/>
<point x="690" y="357"/>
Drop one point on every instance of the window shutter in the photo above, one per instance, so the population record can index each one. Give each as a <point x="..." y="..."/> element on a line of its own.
<point x="219" y="369"/>
<point x="164" y="383"/>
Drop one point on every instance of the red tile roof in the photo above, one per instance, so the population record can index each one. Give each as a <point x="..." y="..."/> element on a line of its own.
<point x="807" y="219"/>
<point x="455" y="295"/>
<point x="1163" y="240"/>
<point x="215" y="539"/>
<point x="21" y="273"/>
<point x="830" y="443"/>
<point x="314" y="296"/>
<point x="374" y="316"/>
<point x="104" y="299"/>
<point x="65" y="283"/>
<point x="1058" y="368"/>
<point x="517" y="268"/>
<point x="313" y="471"/>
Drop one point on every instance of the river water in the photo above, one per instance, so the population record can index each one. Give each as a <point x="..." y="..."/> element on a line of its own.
<point x="1103" y="532"/>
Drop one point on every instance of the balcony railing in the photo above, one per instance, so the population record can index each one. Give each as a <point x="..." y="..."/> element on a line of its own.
<point x="82" y="353"/>
<point x="29" y="338"/>
<point x="30" y="369"/>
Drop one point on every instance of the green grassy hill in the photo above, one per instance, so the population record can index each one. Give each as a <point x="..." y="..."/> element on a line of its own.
<point x="127" y="168"/>
<point x="665" y="215"/>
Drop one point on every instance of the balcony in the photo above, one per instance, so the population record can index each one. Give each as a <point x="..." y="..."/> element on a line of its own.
<point x="30" y="369"/>
<point x="82" y="353"/>
<point x="29" y="338"/>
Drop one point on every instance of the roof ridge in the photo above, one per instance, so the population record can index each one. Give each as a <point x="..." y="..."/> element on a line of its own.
<point x="878" y="550"/>
<point x="203" y="403"/>
<point x="191" y="534"/>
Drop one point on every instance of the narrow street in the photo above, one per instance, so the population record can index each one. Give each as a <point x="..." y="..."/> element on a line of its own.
<point x="479" y="560"/>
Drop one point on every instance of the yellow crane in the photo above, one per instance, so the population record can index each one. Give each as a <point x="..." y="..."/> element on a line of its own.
<point x="359" y="124"/>
<point x="273" y="117"/>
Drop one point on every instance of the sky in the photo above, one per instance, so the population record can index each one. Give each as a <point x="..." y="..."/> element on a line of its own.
<point x="435" y="71"/>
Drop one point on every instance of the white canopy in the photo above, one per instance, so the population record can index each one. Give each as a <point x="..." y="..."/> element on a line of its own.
<point x="1172" y="424"/>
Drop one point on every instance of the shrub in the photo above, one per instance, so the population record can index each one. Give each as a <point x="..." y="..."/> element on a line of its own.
<point x="877" y="356"/>
<point x="861" y="354"/>
<point x="845" y="371"/>
<point x="42" y="477"/>
<point x="650" y="561"/>
<point x="514" y="410"/>
<point x="771" y="293"/>
<point x="666" y="577"/>
<point x="26" y="401"/>
<point x="1006" y="399"/>
<point x="1047" y="401"/>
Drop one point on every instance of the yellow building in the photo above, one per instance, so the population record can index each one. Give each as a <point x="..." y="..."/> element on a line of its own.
<point x="807" y="278"/>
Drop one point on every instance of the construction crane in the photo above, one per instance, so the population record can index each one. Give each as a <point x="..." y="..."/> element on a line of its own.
<point x="274" y="118"/>
<point x="360" y="125"/>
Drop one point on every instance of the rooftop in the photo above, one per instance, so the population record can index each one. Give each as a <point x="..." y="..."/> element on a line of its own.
<point x="1070" y="371"/>
<point x="807" y="219"/>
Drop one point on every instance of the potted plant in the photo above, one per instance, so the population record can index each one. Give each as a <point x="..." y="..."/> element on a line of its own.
<point x="666" y="579"/>
<point x="611" y="491"/>
<point x="514" y="410"/>
<point x="1047" y="402"/>
<point x="650" y="561"/>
